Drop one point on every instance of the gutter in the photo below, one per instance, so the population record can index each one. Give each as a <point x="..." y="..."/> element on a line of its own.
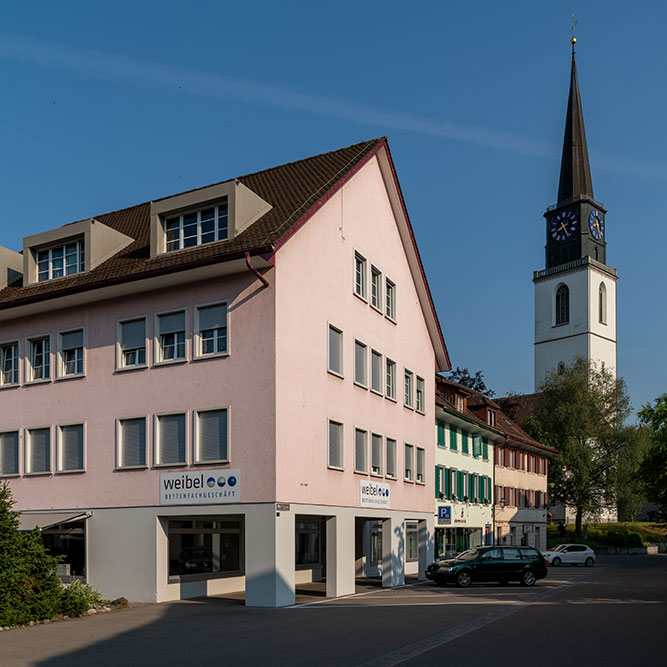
<point x="254" y="270"/>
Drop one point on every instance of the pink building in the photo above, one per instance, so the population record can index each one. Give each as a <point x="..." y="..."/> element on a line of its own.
<point x="229" y="388"/>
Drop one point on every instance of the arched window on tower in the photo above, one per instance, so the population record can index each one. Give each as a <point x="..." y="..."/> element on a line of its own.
<point x="602" y="303"/>
<point x="562" y="305"/>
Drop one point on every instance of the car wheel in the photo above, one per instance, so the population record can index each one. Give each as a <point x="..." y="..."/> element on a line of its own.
<point x="528" y="578"/>
<point x="589" y="562"/>
<point x="463" y="579"/>
<point x="556" y="562"/>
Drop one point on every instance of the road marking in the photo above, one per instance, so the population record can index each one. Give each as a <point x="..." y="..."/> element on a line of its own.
<point x="434" y="641"/>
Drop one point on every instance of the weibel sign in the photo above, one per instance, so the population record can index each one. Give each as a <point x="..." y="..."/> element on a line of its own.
<point x="200" y="487"/>
<point x="375" y="494"/>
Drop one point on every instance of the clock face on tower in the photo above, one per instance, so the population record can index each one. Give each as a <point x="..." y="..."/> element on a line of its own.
<point x="563" y="225"/>
<point x="596" y="223"/>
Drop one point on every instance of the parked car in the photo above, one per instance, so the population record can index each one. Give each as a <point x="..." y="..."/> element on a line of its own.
<point x="502" y="564"/>
<point x="570" y="554"/>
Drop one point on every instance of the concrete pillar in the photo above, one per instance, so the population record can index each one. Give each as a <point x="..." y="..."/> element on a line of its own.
<point x="393" y="552"/>
<point x="423" y="544"/>
<point x="340" y="555"/>
<point x="269" y="557"/>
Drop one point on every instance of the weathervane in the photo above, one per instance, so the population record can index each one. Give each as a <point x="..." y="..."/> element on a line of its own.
<point x="573" y="41"/>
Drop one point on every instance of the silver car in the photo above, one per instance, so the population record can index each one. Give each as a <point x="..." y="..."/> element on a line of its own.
<point x="570" y="554"/>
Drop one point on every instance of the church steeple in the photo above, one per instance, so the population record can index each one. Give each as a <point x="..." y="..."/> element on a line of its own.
<point x="576" y="223"/>
<point x="575" y="169"/>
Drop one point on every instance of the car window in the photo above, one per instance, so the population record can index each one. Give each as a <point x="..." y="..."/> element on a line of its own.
<point x="577" y="547"/>
<point x="471" y="554"/>
<point x="560" y="547"/>
<point x="511" y="554"/>
<point x="492" y="554"/>
<point x="530" y="553"/>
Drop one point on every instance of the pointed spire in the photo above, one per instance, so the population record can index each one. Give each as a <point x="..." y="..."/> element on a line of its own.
<point x="575" y="170"/>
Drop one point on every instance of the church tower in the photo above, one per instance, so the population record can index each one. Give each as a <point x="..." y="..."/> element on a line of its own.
<point x="575" y="294"/>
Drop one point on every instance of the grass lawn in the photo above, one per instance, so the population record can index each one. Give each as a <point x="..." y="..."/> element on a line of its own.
<point x="601" y="535"/>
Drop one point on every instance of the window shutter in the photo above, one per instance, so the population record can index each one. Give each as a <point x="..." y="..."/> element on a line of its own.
<point x="40" y="450"/>
<point x="440" y="433"/>
<point x="452" y="438"/>
<point x="485" y="449"/>
<point x="72" y="447"/>
<point x="334" y="351"/>
<point x="488" y="488"/>
<point x="9" y="453"/>
<point x="133" y="335"/>
<point x="335" y="458"/>
<point x="213" y="317"/>
<point x="482" y="488"/>
<point x="464" y="442"/>
<point x="437" y="481"/>
<point x="72" y="340"/>
<point x="212" y="432"/>
<point x="477" y="445"/>
<point x="133" y="438"/>
<point x="172" y="438"/>
<point x="172" y="322"/>
<point x="460" y="485"/>
<point x="448" y="483"/>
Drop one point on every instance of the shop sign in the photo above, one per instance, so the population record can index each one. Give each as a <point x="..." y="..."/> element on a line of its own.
<point x="200" y="487"/>
<point x="444" y="514"/>
<point x="375" y="494"/>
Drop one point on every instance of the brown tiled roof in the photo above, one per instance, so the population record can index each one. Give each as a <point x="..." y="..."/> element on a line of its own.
<point x="520" y="408"/>
<point x="294" y="190"/>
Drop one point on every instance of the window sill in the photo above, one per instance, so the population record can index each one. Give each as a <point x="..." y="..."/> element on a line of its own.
<point x="170" y="362"/>
<point x="128" y="369"/>
<point x="10" y="386"/>
<point x="391" y="478"/>
<point x="9" y="475"/>
<point x="212" y="462"/>
<point x="376" y="309"/>
<point x="361" y="386"/>
<point x="77" y="376"/>
<point x="70" y="472"/>
<point x="420" y="483"/>
<point x="562" y="324"/>
<point x="38" y="474"/>
<point x="128" y="468"/>
<point x="335" y="374"/>
<point x="376" y="392"/>
<point x="361" y="472"/>
<point x="391" y="398"/>
<point x="408" y="481"/>
<point x="31" y="383"/>
<point x="409" y="407"/>
<point x="336" y="468"/>
<point x="181" y="464"/>
<point x="213" y="355"/>
<point x="420" y="412"/>
<point x="178" y="578"/>
<point x="361" y="298"/>
<point x="377" y="474"/>
<point x="391" y="319"/>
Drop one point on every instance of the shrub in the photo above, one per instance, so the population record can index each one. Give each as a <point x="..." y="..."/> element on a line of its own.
<point x="78" y="598"/>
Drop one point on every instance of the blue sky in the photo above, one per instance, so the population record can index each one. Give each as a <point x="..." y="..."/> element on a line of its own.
<point x="109" y="104"/>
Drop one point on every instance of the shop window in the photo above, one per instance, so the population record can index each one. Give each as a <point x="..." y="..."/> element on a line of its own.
<point x="69" y="541"/>
<point x="205" y="547"/>
<point x="308" y="542"/>
<point x="412" y="542"/>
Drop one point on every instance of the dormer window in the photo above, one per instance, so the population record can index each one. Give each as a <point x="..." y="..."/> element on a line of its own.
<point x="460" y="405"/>
<point x="197" y="227"/>
<point x="61" y="260"/>
<point x="491" y="417"/>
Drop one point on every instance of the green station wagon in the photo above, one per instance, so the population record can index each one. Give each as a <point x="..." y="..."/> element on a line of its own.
<point x="501" y="564"/>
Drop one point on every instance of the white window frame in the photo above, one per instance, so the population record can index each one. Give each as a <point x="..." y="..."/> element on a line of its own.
<point x="380" y="471"/>
<point x="420" y="405"/>
<point x="394" y="457"/>
<point x="197" y="339"/>
<point x="120" y="465"/>
<point x="27" y="453"/>
<point x="376" y="289"/>
<point x="156" y="440"/>
<point x="120" y="357"/>
<point x="390" y="302"/>
<point x="196" y="457"/>
<point x="408" y="473"/>
<point x="60" y="361"/>
<point x="59" y="458"/>
<point x="197" y="211"/>
<point x="158" y="350"/>
<point x="341" y="350"/>
<point x="16" y="367"/>
<point x="360" y="276"/>
<point x="363" y="384"/>
<point x="390" y="379"/>
<point x="381" y="374"/>
<point x="330" y="465"/>
<point x="420" y="473"/>
<point x="408" y="388"/>
<point x="356" y="466"/>
<point x="80" y="259"/>
<point x="30" y="369"/>
<point x="4" y="475"/>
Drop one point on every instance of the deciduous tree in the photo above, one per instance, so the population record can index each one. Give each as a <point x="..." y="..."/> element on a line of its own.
<point x="653" y="470"/>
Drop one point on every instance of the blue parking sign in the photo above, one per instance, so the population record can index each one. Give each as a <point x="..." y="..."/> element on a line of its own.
<point x="444" y="513"/>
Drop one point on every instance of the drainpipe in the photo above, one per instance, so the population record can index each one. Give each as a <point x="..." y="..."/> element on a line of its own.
<point x="254" y="270"/>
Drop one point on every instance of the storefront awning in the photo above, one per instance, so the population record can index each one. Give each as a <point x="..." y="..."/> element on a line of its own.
<point x="43" y="521"/>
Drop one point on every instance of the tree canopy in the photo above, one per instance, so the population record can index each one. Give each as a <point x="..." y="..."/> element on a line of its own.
<point x="581" y="412"/>
<point x="653" y="470"/>
<point x="476" y="381"/>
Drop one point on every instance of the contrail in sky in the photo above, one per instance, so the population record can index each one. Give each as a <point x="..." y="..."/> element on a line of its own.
<point x="121" y="69"/>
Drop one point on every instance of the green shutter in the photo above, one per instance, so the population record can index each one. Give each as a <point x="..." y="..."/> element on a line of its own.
<point x="464" y="441"/>
<point x="452" y="438"/>
<point x="485" y="450"/>
<point x="477" y="445"/>
<point x="448" y="483"/>
<point x="437" y="481"/>
<point x="441" y="434"/>
<point x="482" y="488"/>
<point x="472" y="491"/>
<point x="489" y="489"/>
<point x="460" y="485"/>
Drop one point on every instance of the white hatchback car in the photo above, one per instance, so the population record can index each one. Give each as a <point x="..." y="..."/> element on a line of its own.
<point x="570" y="554"/>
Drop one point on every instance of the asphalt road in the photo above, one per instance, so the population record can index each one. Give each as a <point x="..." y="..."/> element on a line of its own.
<point x="614" y="613"/>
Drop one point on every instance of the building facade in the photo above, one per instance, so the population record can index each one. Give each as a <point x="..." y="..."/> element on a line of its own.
<point x="226" y="389"/>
